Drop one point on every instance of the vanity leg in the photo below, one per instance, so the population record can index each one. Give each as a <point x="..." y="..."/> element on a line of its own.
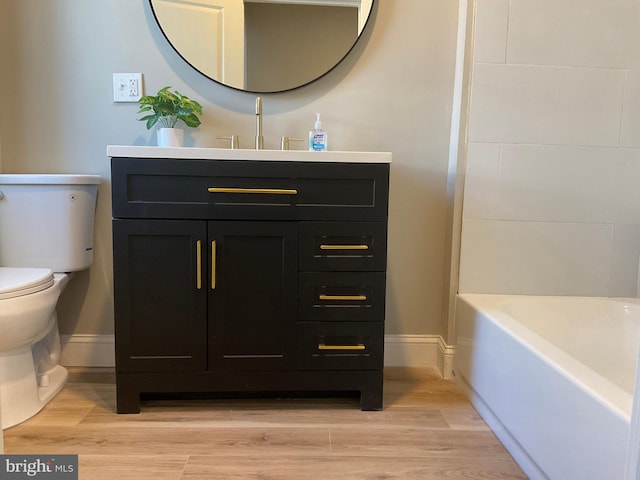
<point x="127" y="399"/>
<point x="371" y="401"/>
<point x="371" y="396"/>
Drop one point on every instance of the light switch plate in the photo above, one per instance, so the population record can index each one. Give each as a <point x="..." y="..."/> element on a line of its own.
<point x="127" y="87"/>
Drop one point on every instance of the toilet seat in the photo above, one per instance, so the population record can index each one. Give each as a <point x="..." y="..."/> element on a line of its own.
<point x="16" y="282"/>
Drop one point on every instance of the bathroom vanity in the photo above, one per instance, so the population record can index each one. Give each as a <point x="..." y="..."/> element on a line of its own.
<point x="244" y="271"/>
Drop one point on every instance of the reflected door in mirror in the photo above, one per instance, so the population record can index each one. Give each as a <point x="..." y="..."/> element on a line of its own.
<point x="208" y="34"/>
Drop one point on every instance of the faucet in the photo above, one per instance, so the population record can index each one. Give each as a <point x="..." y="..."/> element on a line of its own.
<point x="259" y="137"/>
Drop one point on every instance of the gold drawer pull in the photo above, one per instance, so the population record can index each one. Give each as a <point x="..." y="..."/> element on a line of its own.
<point x="359" y="346"/>
<point x="343" y="297"/>
<point x="344" y="247"/>
<point x="273" y="191"/>
<point x="198" y="264"/>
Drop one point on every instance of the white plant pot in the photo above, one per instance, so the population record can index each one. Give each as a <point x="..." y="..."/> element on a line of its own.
<point x="170" y="137"/>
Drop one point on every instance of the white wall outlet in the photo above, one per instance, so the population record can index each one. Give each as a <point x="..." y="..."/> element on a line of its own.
<point x="127" y="87"/>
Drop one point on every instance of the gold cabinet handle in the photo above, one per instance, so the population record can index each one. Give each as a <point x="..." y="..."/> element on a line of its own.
<point x="273" y="191"/>
<point x="213" y="265"/>
<point x="361" y="298"/>
<point x="359" y="346"/>
<point x="198" y="264"/>
<point x="344" y="247"/>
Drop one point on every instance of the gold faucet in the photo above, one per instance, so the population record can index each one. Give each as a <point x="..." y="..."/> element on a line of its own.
<point x="259" y="137"/>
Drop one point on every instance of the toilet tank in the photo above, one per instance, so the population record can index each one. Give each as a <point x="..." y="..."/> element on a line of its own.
<point x="47" y="221"/>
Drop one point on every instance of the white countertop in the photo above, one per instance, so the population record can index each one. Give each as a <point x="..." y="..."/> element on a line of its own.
<point x="246" y="154"/>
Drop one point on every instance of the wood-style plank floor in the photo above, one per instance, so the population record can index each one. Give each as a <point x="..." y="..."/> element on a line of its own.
<point x="428" y="430"/>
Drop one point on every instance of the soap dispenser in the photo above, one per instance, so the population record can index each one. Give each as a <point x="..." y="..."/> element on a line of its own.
<point x="318" y="138"/>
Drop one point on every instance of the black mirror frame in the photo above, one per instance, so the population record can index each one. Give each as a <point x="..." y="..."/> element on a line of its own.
<point x="373" y="2"/>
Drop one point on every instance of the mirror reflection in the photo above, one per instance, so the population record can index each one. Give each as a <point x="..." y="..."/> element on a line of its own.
<point x="262" y="46"/>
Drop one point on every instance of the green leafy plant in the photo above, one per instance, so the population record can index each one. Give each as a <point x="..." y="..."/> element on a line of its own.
<point x="169" y="107"/>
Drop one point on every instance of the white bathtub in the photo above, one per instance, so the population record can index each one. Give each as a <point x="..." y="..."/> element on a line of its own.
<point x="553" y="377"/>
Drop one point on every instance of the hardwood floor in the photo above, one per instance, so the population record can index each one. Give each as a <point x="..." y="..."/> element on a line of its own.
<point x="427" y="430"/>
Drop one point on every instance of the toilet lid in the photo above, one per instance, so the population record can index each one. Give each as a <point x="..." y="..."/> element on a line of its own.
<point x="15" y="282"/>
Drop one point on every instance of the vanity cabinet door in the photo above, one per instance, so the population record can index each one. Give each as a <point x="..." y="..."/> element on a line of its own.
<point x="252" y="295"/>
<point x="160" y="295"/>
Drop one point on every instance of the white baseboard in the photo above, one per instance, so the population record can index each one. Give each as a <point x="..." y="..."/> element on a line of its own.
<point x="419" y="351"/>
<point x="400" y="350"/>
<point x="88" y="350"/>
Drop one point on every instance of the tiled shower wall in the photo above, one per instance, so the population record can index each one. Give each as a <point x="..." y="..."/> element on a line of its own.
<point x="552" y="193"/>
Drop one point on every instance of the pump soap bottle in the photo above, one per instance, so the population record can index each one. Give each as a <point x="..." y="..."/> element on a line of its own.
<point x="318" y="138"/>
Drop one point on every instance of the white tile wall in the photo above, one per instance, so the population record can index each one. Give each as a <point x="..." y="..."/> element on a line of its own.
<point x="491" y="31"/>
<point x="553" y="183"/>
<point x="546" y="105"/>
<point x="552" y="189"/>
<point x="583" y="33"/>
<point x="481" y="181"/>
<point x="630" y="125"/>
<point x="625" y="255"/>
<point x="538" y="258"/>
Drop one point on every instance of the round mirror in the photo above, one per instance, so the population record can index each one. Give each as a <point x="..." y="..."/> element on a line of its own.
<point x="262" y="46"/>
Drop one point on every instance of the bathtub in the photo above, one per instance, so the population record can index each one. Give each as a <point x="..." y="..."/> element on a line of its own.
<point x="553" y="377"/>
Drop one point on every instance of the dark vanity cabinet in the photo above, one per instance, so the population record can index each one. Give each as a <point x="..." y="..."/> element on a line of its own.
<point x="238" y="276"/>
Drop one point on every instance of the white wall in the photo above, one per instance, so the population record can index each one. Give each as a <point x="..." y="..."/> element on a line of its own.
<point x="551" y="200"/>
<point x="393" y="93"/>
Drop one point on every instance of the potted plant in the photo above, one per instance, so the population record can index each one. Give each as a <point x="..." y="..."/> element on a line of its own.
<point x="167" y="108"/>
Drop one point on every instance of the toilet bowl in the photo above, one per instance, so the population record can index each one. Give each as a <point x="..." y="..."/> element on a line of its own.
<point x="29" y="346"/>
<point x="46" y="227"/>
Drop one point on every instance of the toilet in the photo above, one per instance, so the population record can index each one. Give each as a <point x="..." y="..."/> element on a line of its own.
<point x="46" y="234"/>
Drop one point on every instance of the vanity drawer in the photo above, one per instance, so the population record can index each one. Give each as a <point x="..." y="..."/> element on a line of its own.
<point x="343" y="246"/>
<point x="248" y="190"/>
<point x="341" y="296"/>
<point x="340" y="346"/>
